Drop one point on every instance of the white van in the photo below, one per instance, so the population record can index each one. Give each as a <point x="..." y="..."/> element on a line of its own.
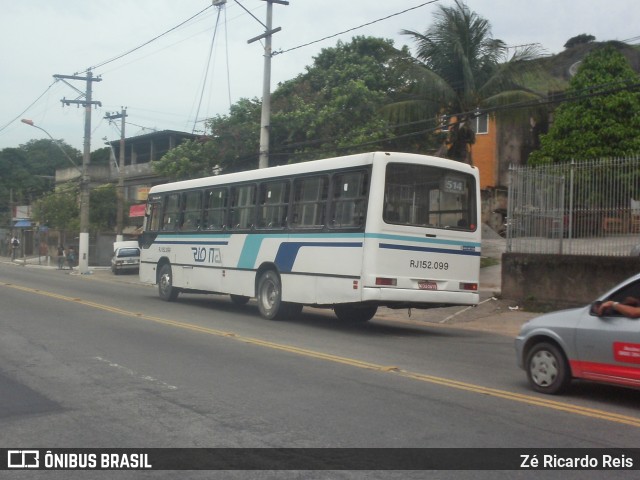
<point x="126" y="257"/>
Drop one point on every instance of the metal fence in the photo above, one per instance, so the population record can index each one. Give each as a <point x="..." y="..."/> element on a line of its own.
<point x="579" y="208"/>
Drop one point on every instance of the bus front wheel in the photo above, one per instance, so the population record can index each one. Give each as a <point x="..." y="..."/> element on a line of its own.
<point x="355" y="313"/>
<point x="166" y="290"/>
<point x="269" y="295"/>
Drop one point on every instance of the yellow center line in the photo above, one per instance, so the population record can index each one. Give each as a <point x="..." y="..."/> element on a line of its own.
<point x="469" y="387"/>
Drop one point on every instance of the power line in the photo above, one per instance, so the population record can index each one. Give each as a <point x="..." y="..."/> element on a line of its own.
<point x="206" y="72"/>
<point x="30" y="105"/>
<point x="118" y="57"/>
<point x="354" y="28"/>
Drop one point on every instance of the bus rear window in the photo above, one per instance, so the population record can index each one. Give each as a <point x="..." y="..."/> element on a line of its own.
<point x="427" y="196"/>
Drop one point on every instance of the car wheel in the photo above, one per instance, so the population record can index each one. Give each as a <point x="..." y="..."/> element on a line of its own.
<point x="166" y="290"/>
<point x="239" y="300"/>
<point x="355" y="314"/>
<point x="547" y="369"/>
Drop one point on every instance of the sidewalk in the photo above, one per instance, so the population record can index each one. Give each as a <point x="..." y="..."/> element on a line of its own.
<point x="492" y="314"/>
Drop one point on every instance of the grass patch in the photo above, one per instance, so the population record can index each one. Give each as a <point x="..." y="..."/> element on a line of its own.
<point x="488" y="262"/>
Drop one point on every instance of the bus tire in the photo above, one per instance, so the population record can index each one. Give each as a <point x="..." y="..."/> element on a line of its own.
<point x="239" y="300"/>
<point x="269" y="296"/>
<point x="355" y="313"/>
<point x="166" y="290"/>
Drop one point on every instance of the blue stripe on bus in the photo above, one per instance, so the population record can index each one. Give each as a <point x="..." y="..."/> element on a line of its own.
<point x="437" y="241"/>
<point x="287" y="252"/>
<point x="430" y="249"/>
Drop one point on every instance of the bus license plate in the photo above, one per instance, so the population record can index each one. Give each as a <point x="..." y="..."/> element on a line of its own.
<point x="427" y="285"/>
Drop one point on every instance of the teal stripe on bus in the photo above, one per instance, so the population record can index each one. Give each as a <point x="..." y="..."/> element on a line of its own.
<point x="253" y="243"/>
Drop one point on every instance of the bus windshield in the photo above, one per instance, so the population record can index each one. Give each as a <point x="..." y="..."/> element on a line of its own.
<point x="425" y="196"/>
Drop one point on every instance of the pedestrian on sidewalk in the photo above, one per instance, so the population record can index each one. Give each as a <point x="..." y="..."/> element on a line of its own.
<point x="71" y="257"/>
<point x="15" y="244"/>
<point x="61" y="257"/>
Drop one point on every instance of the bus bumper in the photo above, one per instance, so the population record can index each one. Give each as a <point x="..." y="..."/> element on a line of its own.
<point x="418" y="298"/>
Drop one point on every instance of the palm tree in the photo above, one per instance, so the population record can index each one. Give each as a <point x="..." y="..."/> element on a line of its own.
<point x="459" y="69"/>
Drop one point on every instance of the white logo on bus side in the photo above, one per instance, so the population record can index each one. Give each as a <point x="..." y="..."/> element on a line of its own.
<point x="201" y="255"/>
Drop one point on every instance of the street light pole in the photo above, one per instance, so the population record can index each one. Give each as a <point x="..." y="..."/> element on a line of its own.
<point x="26" y="121"/>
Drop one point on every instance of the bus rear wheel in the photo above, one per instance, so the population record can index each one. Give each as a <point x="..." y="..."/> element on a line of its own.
<point x="166" y="290"/>
<point x="355" y="313"/>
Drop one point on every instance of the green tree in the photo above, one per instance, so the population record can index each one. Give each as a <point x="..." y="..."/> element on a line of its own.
<point x="332" y="108"/>
<point x="59" y="209"/>
<point x="600" y="117"/>
<point x="460" y="68"/>
<point x="579" y="40"/>
<point x="101" y="156"/>
<point x="335" y="107"/>
<point x="29" y="170"/>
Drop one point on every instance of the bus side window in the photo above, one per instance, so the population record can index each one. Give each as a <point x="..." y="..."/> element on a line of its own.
<point x="192" y="204"/>
<point x="349" y="199"/>
<point x="309" y="201"/>
<point x="274" y="203"/>
<point x="153" y="219"/>
<point x="171" y="212"/>
<point x="242" y="213"/>
<point x="215" y="209"/>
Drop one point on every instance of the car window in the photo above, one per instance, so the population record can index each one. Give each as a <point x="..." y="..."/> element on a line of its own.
<point x="128" y="252"/>
<point x="631" y="290"/>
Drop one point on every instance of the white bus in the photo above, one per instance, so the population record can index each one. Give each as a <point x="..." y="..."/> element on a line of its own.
<point x="350" y="233"/>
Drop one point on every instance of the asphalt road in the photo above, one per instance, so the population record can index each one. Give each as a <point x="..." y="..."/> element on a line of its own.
<point x="99" y="361"/>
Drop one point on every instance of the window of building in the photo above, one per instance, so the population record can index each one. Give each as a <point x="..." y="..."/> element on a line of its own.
<point x="480" y="124"/>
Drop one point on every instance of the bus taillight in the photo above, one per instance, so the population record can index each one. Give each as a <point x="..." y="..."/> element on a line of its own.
<point x="469" y="286"/>
<point x="386" y="282"/>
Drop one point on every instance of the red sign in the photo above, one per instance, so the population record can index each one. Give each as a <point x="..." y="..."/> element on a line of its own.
<point x="626" y="352"/>
<point x="137" y="210"/>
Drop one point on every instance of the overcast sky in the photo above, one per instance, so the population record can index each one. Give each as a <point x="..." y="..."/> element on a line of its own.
<point x="161" y="84"/>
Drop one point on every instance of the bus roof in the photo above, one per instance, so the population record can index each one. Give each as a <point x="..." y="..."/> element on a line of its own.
<point x="312" y="166"/>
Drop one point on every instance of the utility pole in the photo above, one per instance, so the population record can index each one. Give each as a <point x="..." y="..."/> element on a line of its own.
<point x="120" y="191"/>
<point x="83" y="247"/>
<point x="265" y="118"/>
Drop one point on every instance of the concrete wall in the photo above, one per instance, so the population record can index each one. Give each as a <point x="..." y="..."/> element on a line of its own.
<point x="548" y="282"/>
